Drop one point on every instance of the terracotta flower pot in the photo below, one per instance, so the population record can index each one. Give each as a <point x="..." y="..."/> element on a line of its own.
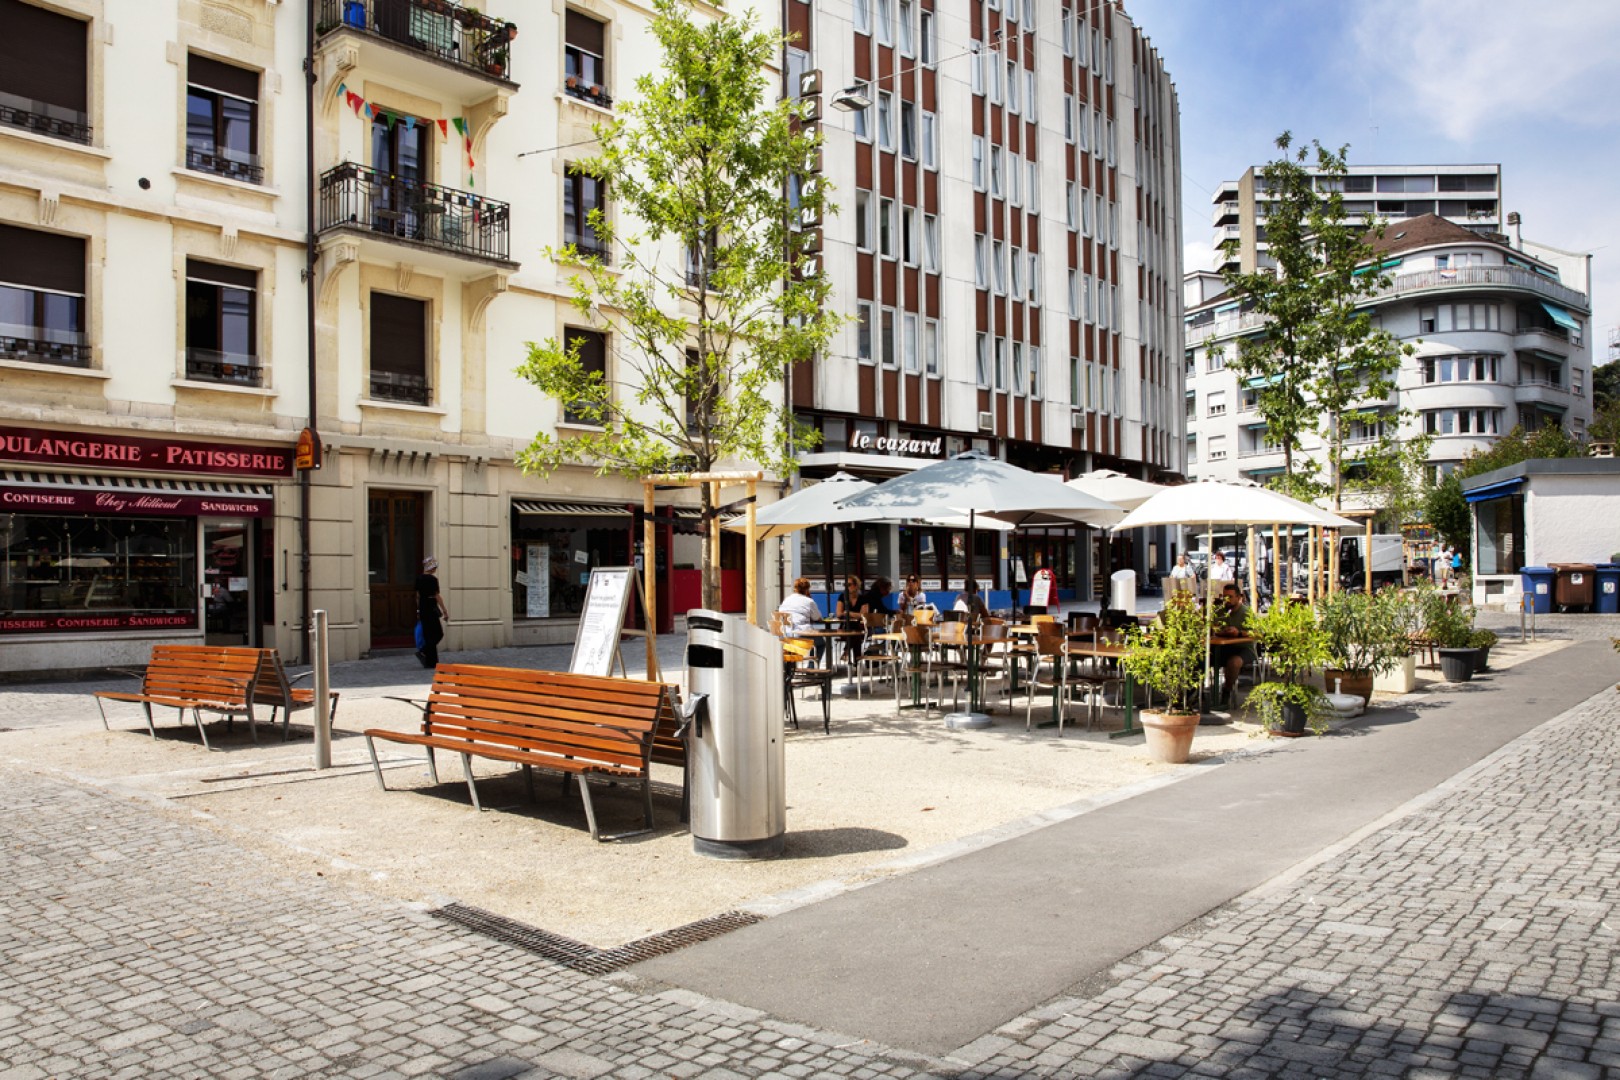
<point x="1169" y="735"/>
<point x="1349" y="683"/>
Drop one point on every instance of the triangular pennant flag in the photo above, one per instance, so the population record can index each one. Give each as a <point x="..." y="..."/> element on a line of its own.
<point x="355" y="101"/>
<point x="461" y="124"/>
<point x="409" y="122"/>
<point x="444" y="127"/>
<point x="343" y="88"/>
<point x="369" y="114"/>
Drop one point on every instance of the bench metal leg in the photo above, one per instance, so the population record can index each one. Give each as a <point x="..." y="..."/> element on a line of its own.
<point x="466" y="767"/>
<point x="196" y="715"/>
<point x="371" y="748"/>
<point x="253" y="729"/>
<point x="528" y="779"/>
<point x="590" y="810"/>
<point x="433" y="765"/>
<point x="646" y="798"/>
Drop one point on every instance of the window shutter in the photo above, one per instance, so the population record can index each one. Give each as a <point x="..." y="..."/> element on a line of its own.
<point x="221" y="77"/>
<point x="41" y="260"/>
<point x="398" y="334"/>
<point x="584" y="32"/>
<point x="215" y="274"/>
<point x="44" y="56"/>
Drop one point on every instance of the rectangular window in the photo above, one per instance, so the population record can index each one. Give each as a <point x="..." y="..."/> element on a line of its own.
<point x="930" y="48"/>
<point x="222" y="324"/>
<point x="44" y="72"/>
<point x="998" y="265"/>
<point x="886" y="228"/>
<point x="1034" y="371"/>
<point x="862" y="16"/>
<point x="1001" y="363"/>
<point x="1217" y="447"/>
<point x="863" y="331"/>
<point x="981" y="354"/>
<point x="1076" y="394"/>
<point x="998" y="76"/>
<point x="399" y="356"/>
<point x="863" y="221"/>
<point x="1074" y="293"/>
<point x="911" y="235"/>
<point x="911" y="347"/>
<point x="885" y="22"/>
<point x="1032" y="199"/>
<point x="978" y="163"/>
<point x="1068" y="117"/>
<point x="1082" y="42"/>
<point x="908" y="130"/>
<point x="1015" y="177"/>
<point x="582" y="194"/>
<point x="119" y="569"/>
<point x="1020" y="375"/>
<point x="885" y="120"/>
<point x="863" y="123"/>
<point x="585" y="58"/>
<point x="1215" y="403"/>
<point x="1030" y="96"/>
<point x="1071" y="203"/>
<point x="931" y="243"/>
<point x="1577" y="382"/>
<point x="886" y="337"/>
<point x="997" y="164"/>
<point x="1426" y="320"/>
<point x="930" y="140"/>
<point x="931" y="347"/>
<point x="1068" y="32"/>
<point x="1012" y="86"/>
<point x="976" y="68"/>
<point x="222" y="120"/>
<point x="1029" y="14"/>
<point x="1017" y="255"/>
<point x="981" y="261"/>
<point x="42" y="297"/>
<point x="908" y="37"/>
<point x="1034" y="277"/>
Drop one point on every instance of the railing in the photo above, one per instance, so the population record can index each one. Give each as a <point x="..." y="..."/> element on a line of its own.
<point x="1509" y="276"/>
<point x="400" y="386"/>
<point x="44" y="119"/>
<point x="41" y="345"/>
<point x="595" y="93"/>
<point x="446" y="31"/>
<point x="209" y="365"/>
<point x="1552" y="383"/>
<point x="226" y="163"/>
<point x="1258" y="451"/>
<point x="591" y="248"/>
<point x="355" y="196"/>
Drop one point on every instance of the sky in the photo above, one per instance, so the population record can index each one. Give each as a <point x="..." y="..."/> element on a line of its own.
<point x="1531" y="86"/>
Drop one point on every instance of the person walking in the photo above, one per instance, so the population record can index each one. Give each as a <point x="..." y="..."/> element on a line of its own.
<point x="431" y="612"/>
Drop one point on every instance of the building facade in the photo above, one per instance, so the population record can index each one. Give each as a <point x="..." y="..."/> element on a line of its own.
<point x="1499" y="337"/>
<point x="1008" y="249"/>
<point x="1466" y="195"/>
<point x="155" y="326"/>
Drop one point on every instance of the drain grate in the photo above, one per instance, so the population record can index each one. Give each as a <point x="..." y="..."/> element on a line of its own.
<point x="588" y="958"/>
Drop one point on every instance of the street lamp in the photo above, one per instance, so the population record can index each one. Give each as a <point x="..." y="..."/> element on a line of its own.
<point x="852" y="99"/>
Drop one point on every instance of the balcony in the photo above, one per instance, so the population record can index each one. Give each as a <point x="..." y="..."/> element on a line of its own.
<point x="1496" y="277"/>
<point x="448" y="34"/>
<point x="227" y="163"/>
<point x="1258" y="451"/>
<point x="44" y="345"/>
<point x="415" y="213"/>
<point x="43" y="119"/>
<point x="401" y="387"/>
<point x="1226" y="213"/>
<point x="1537" y="391"/>
<point x="232" y="369"/>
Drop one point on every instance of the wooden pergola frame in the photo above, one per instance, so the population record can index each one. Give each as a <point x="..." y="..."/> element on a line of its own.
<point x="715" y="480"/>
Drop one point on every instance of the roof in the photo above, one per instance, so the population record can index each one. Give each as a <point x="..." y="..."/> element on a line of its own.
<point x="1587" y="466"/>
<point x="1426" y="230"/>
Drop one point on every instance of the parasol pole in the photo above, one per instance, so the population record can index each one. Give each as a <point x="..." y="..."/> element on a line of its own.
<point x="1253" y="585"/>
<point x="1276" y="563"/>
<point x="1209" y="614"/>
<point x="1366" y="555"/>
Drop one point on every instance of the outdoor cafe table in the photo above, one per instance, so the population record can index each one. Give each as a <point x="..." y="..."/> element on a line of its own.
<point x="1084" y="644"/>
<point x="829" y="635"/>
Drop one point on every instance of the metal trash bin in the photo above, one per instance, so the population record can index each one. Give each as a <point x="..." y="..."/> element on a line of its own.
<point x="1123" y="595"/>
<point x="1575" y="584"/>
<point x="734" y="748"/>
<point x="1538" y="586"/>
<point x="1607" y="599"/>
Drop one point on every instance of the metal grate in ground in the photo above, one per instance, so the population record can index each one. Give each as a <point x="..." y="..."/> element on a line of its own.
<point x="588" y="958"/>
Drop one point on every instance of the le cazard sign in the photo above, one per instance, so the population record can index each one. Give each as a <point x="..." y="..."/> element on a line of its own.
<point x="103" y="450"/>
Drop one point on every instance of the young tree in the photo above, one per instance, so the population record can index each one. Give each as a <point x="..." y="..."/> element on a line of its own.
<point x="1321" y="366"/>
<point x="713" y="295"/>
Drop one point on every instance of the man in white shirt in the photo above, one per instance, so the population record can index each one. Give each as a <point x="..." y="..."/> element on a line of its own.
<point x="801" y="611"/>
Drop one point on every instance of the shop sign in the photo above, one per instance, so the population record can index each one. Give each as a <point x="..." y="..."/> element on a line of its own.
<point x="122" y="620"/>
<point x="101" y="450"/>
<point x="861" y="440"/>
<point x="23" y="500"/>
<point x="307" y="452"/>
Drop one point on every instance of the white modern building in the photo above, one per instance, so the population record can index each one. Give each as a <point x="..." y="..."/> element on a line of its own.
<point x="1500" y="338"/>
<point x="1466" y="195"/>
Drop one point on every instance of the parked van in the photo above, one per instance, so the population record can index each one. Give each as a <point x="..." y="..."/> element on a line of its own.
<point x="1387" y="557"/>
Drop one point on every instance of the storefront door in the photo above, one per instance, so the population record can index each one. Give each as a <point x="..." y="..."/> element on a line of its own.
<point x="228" y="593"/>
<point x="393" y="559"/>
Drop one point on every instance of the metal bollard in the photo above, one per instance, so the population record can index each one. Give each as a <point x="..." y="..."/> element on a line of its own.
<point x="323" y="696"/>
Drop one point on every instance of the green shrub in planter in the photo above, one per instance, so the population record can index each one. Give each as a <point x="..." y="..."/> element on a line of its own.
<point x="1448" y="620"/>
<point x="1366" y="635"/>
<point x="1295" y="645"/>
<point x="1169" y="657"/>
<point x="1482" y="639"/>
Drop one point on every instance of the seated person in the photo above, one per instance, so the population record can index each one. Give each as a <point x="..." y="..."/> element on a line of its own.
<point x="970" y="601"/>
<point x="911" y="597"/>
<point x="1231" y="620"/>
<point x="802" y="614"/>
<point x="874" y="601"/>
<point x="848" y="605"/>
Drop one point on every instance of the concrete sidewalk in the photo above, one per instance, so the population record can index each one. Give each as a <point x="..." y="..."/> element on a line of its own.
<point x="932" y="961"/>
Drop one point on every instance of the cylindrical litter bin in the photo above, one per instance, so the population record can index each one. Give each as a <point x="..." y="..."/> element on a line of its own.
<point x="1538" y="586"/>
<point x="1573" y="587"/>
<point x="734" y="749"/>
<point x="1123" y="594"/>
<point x="1607" y="599"/>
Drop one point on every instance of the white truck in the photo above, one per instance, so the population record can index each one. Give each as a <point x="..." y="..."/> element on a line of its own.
<point x="1387" y="559"/>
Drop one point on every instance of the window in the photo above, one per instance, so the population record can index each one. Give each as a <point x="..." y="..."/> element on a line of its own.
<point x="1074" y="293"/>
<point x="1068" y="118"/>
<point x="1034" y="371"/>
<point x="1029" y="14"/>
<point x="886" y="228"/>
<point x="1018" y="272"/>
<point x="981" y="261"/>
<point x="908" y="130"/>
<point x="931" y="243"/>
<point x="978" y="163"/>
<point x="1071" y="203"/>
<point x="863" y="125"/>
<point x="221" y="323"/>
<point x="1012" y="86"/>
<point x="997" y="161"/>
<point x="1215" y="403"/>
<point x="1068" y="32"/>
<point x="1577" y="382"/>
<point x="981" y="354"/>
<point x="1020" y="373"/>
<point x="69" y="566"/>
<point x="998" y="76"/>
<point x="583" y="193"/>
<point x="702" y="262"/>
<point x="931" y="346"/>
<point x="885" y="22"/>
<point x="885" y="119"/>
<point x="886" y="337"/>
<point x="1001" y="363"/>
<point x="909" y="342"/>
<point x="862" y="17"/>
<point x="1426" y="320"/>
<point x="976" y="69"/>
<point x="42" y="316"/>
<point x="1085" y="293"/>
<point x="1216" y="361"/>
<point x="1015" y="178"/>
<point x="911" y="235"/>
<point x="1034" y="277"/>
<point x="1217" y="447"/>
<point x="863" y="221"/>
<point x="1076" y="393"/>
<point x="44" y="72"/>
<point x="863" y="331"/>
<point x="592" y="346"/>
<point x="700" y="402"/>
<point x="1082" y="42"/>
<point x="998" y="265"/>
<point x="1032" y="199"/>
<point x="222" y="120"/>
<point x="930" y="140"/>
<point x="908" y="37"/>
<point x="585" y="58"/>
<point x="1030" y="97"/>
<point x="399" y="357"/>
<point x="1082" y="124"/>
<point x="930" y="49"/>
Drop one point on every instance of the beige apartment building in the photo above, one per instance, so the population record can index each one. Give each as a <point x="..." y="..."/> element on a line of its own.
<point x="155" y="192"/>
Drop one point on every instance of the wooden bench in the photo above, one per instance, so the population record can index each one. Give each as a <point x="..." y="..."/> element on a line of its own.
<point x="192" y="678"/>
<point x="582" y="726"/>
<point x="272" y="687"/>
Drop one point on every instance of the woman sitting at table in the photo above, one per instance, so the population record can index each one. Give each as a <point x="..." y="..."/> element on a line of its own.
<point x="911" y="597"/>
<point x="847" y="608"/>
<point x="802" y="614"/>
<point x="970" y="601"/>
<point x="1231" y="620"/>
<point x="874" y="601"/>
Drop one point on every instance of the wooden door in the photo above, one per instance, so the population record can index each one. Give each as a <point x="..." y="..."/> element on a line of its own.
<point x="393" y="559"/>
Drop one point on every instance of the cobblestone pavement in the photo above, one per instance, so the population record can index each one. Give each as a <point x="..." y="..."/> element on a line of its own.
<point x="1475" y="935"/>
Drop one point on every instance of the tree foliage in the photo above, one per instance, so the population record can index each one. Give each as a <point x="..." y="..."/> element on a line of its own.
<point x="710" y="297"/>
<point x="1320" y="366"/>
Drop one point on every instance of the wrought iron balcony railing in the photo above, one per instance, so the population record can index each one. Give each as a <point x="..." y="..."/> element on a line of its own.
<point x="400" y="386"/>
<point x="44" y="119"/>
<point x="463" y="36"/>
<point x="40" y="345"/>
<point x="209" y="365"/>
<point x="227" y="163"/>
<point x="358" y="197"/>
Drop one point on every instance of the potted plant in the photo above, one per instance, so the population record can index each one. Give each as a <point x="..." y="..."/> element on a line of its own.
<point x="1366" y="638"/>
<point x="1168" y="658"/>
<point x="1295" y="645"/>
<point x="1482" y="640"/>
<point x="1448" y="621"/>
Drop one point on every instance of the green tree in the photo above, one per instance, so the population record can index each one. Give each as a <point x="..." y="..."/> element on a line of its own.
<point x="716" y="296"/>
<point x="1605" y="425"/>
<point x="1321" y="366"/>
<point x="1444" y="505"/>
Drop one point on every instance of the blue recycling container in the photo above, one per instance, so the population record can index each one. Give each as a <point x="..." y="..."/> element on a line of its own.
<point x="1607" y="599"/>
<point x="1538" y="585"/>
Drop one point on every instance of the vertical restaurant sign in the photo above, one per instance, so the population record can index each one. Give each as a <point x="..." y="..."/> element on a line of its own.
<point x="105" y="450"/>
<point x="307" y="451"/>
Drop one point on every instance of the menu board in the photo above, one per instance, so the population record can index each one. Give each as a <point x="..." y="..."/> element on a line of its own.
<point x="537" y="581"/>
<point x="602" y="622"/>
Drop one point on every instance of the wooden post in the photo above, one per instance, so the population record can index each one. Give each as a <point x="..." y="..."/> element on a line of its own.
<point x="1366" y="555"/>
<point x="1276" y="563"/>
<point x="751" y="572"/>
<point x="1253" y="587"/>
<point x="1310" y="563"/>
<point x="714" y="541"/>
<point x="649" y="560"/>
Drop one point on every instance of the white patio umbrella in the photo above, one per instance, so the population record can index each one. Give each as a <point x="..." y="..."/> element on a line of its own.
<point x="1108" y="485"/>
<point x="817" y="504"/>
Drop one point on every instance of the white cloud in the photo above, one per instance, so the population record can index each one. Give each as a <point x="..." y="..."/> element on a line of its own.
<point x="1469" y="67"/>
<point x="1197" y="255"/>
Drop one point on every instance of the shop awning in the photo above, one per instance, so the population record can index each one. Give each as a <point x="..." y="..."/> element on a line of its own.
<point x="1561" y="317"/>
<point x="1495" y="491"/>
<point x="551" y="508"/>
<point x="26" y="491"/>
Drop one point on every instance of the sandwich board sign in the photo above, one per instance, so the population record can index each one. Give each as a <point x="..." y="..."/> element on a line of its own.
<point x="601" y="623"/>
